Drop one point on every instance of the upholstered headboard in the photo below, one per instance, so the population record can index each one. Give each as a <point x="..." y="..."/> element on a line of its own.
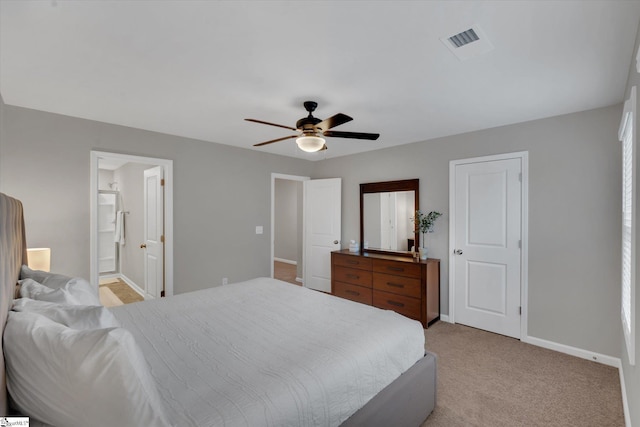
<point x="13" y="253"/>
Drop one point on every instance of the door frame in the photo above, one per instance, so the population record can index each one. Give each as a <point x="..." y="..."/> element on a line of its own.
<point x="167" y="165"/>
<point x="275" y="176"/>
<point x="524" y="253"/>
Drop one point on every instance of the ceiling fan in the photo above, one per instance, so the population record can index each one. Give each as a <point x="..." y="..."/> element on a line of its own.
<point x="311" y="130"/>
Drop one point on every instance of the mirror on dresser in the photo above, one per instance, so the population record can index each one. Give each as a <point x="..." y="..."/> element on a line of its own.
<point x="386" y="209"/>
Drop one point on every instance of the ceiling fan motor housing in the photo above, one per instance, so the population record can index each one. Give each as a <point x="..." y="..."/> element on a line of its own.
<point x="308" y="124"/>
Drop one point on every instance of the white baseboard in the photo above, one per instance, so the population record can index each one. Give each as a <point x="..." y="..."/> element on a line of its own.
<point x="444" y="318"/>
<point x="109" y="276"/>
<point x="132" y="284"/>
<point x="286" y="261"/>
<point x="299" y="279"/>
<point x="573" y="351"/>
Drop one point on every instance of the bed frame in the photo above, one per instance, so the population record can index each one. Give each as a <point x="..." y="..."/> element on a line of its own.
<point x="13" y="253"/>
<point x="407" y="401"/>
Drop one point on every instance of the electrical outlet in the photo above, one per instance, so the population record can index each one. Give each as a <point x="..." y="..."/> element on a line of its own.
<point x="225" y="281"/>
<point x="259" y="229"/>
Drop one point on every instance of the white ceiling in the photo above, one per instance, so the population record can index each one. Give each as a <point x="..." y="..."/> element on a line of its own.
<point x="198" y="68"/>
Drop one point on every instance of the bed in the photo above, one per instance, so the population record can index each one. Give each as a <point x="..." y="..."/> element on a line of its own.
<point x="256" y="353"/>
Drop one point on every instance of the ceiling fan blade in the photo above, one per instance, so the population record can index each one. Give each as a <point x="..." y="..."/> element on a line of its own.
<point x="270" y="124"/>
<point x="354" y="135"/>
<point x="333" y="121"/>
<point x="275" y="140"/>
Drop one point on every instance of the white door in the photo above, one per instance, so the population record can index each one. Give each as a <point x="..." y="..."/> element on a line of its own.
<point x="487" y="240"/>
<point x="322" y="228"/>
<point x="153" y="233"/>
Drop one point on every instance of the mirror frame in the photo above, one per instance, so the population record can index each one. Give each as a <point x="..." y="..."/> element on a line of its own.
<point x="386" y="187"/>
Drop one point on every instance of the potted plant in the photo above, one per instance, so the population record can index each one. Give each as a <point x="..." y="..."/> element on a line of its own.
<point x="424" y="224"/>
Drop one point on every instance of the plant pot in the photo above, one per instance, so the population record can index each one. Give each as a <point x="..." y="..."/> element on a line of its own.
<point x="423" y="253"/>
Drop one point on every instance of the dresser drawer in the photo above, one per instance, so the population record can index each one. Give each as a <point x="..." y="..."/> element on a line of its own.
<point x="397" y="268"/>
<point x="353" y="292"/>
<point x="352" y="276"/>
<point x="407" y="306"/>
<point x="399" y="285"/>
<point x="352" y="261"/>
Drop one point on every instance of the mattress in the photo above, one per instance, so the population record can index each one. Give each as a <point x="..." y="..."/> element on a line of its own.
<point x="268" y="353"/>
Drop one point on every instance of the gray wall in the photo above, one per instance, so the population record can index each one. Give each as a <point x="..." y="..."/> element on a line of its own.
<point x="632" y="373"/>
<point x="220" y="193"/>
<point x="130" y="179"/>
<point x="574" y="214"/>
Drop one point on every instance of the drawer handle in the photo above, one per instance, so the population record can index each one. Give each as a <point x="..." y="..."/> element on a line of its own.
<point x="395" y="285"/>
<point x="353" y="276"/>
<point x="353" y="262"/>
<point x="395" y="268"/>
<point x="396" y="303"/>
<point x="349" y="292"/>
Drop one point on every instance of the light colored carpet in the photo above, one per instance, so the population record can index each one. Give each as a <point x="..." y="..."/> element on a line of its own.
<point x="485" y="379"/>
<point x="122" y="291"/>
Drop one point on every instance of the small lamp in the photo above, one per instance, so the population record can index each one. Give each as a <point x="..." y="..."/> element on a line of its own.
<point x="310" y="144"/>
<point x="39" y="258"/>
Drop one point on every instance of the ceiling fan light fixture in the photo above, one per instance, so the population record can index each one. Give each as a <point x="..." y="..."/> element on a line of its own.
<point x="310" y="144"/>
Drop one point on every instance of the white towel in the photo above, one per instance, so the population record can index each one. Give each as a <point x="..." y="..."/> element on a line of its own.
<point x="119" y="236"/>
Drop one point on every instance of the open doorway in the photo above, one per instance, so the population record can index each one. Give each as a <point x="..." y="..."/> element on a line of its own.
<point x="286" y="228"/>
<point x="123" y="256"/>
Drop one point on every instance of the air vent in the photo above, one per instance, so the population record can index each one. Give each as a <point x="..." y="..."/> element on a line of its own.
<point x="468" y="43"/>
<point x="464" y="38"/>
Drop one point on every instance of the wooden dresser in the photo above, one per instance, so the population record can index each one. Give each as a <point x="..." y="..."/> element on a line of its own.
<point x="401" y="284"/>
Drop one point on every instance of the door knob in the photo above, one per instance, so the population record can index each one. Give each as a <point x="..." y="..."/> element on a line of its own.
<point x="458" y="252"/>
<point x="142" y="246"/>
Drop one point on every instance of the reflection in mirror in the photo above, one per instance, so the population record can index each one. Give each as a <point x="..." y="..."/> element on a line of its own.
<point x="386" y="209"/>
<point x="387" y="220"/>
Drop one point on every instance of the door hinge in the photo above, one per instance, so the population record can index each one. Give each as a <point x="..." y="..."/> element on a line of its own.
<point x="519" y="244"/>
<point x="161" y="294"/>
<point x="520" y="310"/>
<point x="520" y="177"/>
<point x="162" y="182"/>
<point x="162" y="238"/>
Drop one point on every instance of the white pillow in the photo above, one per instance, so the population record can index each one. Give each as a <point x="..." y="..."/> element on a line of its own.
<point x="73" y="293"/>
<point x="73" y="316"/>
<point x="65" y="377"/>
<point x="53" y="280"/>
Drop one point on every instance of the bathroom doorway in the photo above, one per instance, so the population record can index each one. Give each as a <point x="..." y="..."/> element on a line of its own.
<point x="119" y="236"/>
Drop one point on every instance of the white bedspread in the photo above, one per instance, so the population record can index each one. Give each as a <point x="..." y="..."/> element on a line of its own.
<point x="268" y="353"/>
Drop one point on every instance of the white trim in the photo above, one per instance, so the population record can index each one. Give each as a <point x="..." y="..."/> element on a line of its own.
<point x="573" y="351"/>
<point x="524" y="253"/>
<point x="275" y="176"/>
<point x="167" y="165"/>
<point x="299" y="279"/>
<point x="109" y="276"/>
<point x="625" y="401"/>
<point x="629" y="115"/>
<point x="444" y="318"/>
<point x="286" y="261"/>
